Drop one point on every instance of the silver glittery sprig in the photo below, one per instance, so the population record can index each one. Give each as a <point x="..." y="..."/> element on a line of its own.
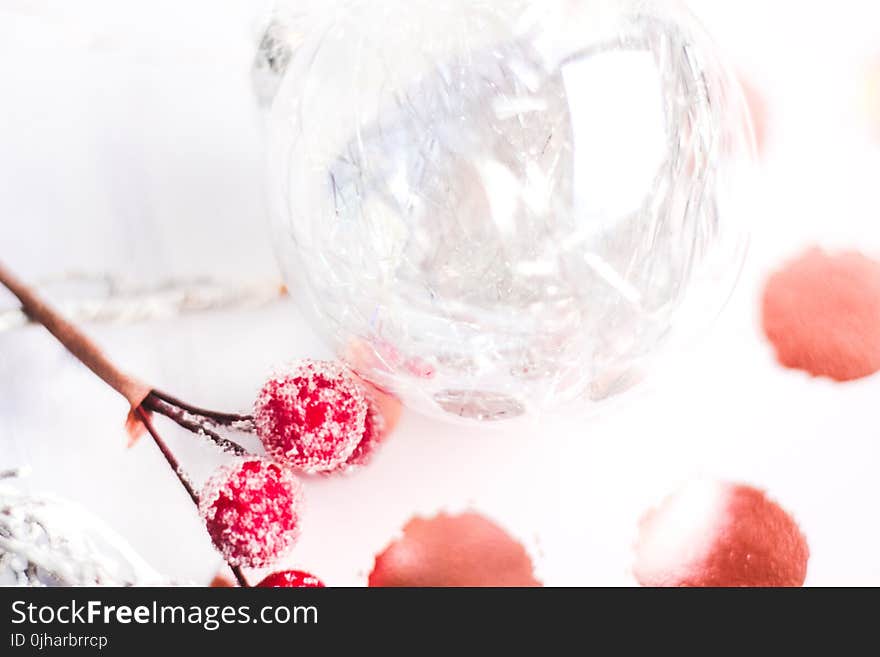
<point x="45" y="541"/>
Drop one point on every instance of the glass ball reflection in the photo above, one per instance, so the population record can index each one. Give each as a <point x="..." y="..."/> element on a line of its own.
<point x="498" y="208"/>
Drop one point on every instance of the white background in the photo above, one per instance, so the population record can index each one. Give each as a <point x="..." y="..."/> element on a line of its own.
<point x="130" y="143"/>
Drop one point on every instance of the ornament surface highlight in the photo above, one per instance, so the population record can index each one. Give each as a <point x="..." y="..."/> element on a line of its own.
<point x="507" y="206"/>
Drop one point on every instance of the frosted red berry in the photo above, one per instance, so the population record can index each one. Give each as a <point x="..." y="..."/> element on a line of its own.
<point x="383" y="413"/>
<point x="720" y="534"/>
<point x="312" y="415"/>
<point x="252" y="511"/>
<point x="291" y="579"/>
<point x="374" y="430"/>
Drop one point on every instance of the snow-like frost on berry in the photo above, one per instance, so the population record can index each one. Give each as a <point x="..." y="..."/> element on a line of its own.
<point x="252" y="511"/>
<point x="713" y="533"/>
<point x="291" y="579"/>
<point x="311" y="415"/>
<point x="374" y="430"/>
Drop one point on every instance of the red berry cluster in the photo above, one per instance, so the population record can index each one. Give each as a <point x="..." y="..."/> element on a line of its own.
<point x="313" y="416"/>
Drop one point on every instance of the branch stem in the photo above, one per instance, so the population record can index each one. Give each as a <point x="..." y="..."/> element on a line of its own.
<point x="74" y="340"/>
<point x="139" y="395"/>
<point x="183" y="417"/>
<point x="222" y="419"/>
<point x="172" y="461"/>
<point x="174" y="464"/>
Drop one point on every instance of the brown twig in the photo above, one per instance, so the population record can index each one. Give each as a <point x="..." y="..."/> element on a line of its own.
<point x="74" y="340"/>
<point x="181" y="416"/>
<point x="197" y="420"/>
<point x="240" y="422"/>
<point x="136" y="392"/>
<point x="174" y="464"/>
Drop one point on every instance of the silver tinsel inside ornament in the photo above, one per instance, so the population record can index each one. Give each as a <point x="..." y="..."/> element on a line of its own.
<point x="498" y="208"/>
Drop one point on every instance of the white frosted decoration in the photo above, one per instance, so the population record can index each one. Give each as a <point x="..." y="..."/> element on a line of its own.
<point x="45" y="541"/>
<point x="680" y="535"/>
<point x="496" y="209"/>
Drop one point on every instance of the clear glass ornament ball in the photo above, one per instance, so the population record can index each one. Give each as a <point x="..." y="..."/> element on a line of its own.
<point x="499" y="208"/>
